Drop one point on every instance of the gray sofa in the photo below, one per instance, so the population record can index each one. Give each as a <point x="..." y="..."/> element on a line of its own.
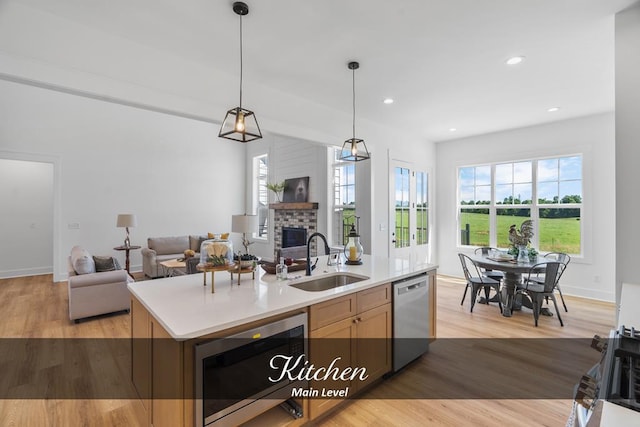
<point x="164" y="248"/>
<point x="93" y="293"/>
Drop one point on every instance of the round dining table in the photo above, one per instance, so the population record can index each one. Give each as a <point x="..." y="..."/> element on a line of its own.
<point x="513" y="271"/>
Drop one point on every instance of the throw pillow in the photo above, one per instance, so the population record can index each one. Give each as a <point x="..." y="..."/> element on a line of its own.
<point x="223" y="236"/>
<point x="104" y="263"/>
<point x="82" y="261"/>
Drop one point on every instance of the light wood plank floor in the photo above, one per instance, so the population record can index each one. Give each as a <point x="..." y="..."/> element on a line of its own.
<point x="36" y="307"/>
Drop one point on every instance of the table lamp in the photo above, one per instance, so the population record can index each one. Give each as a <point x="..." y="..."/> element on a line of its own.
<point x="244" y="224"/>
<point x="126" y="221"/>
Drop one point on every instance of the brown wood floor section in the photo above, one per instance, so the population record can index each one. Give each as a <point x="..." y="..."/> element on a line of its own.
<point x="36" y="307"/>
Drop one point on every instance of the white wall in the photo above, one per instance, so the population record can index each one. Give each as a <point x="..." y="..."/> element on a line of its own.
<point x="26" y="218"/>
<point x="592" y="136"/>
<point x="154" y="141"/>
<point x="174" y="173"/>
<point x="627" y="155"/>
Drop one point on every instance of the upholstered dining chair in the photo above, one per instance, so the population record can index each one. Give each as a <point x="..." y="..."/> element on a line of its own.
<point x="537" y="291"/>
<point x="477" y="282"/>
<point x="562" y="258"/>
<point x="495" y="275"/>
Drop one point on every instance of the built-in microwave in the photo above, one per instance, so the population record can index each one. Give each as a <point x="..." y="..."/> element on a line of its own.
<point x="237" y="378"/>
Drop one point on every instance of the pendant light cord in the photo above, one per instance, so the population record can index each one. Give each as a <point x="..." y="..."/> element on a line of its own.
<point x="240" y="61"/>
<point x="354" y="103"/>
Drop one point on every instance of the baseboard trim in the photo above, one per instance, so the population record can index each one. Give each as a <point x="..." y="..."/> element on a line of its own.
<point x="24" y="272"/>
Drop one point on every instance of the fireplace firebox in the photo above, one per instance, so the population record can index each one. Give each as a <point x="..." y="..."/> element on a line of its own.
<point x="292" y="236"/>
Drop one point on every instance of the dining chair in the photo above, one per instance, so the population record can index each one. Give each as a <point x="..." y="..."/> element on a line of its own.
<point x="540" y="291"/>
<point x="477" y="282"/>
<point x="562" y="258"/>
<point x="492" y="274"/>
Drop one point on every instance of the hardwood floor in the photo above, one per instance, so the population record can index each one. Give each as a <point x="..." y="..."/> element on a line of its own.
<point x="34" y="307"/>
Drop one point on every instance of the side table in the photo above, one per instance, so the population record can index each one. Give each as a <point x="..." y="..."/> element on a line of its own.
<point x="170" y="266"/>
<point x="126" y="250"/>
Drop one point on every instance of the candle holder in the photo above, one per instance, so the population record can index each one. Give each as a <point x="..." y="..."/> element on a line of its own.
<point x="353" y="249"/>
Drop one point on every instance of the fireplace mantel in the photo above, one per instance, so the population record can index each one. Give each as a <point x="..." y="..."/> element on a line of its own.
<point x="293" y="206"/>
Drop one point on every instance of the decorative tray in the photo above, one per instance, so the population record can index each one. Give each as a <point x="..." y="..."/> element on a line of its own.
<point x="502" y="258"/>
<point x="297" y="265"/>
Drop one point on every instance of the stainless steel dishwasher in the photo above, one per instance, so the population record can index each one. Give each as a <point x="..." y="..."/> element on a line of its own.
<point x="410" y="319"/>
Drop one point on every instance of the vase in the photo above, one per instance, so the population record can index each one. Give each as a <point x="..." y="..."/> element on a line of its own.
<point x="523" y="255"/>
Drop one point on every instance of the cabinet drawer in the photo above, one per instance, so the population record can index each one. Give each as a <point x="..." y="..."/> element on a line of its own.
<point x="331" y="311"/>
<point x="373" y="297"/>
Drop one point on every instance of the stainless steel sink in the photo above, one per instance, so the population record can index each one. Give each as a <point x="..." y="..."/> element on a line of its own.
<point x="330" y="281"/>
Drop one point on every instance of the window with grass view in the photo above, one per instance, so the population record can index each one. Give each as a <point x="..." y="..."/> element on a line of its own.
<point x="422" y="208"/>
<point x="344" y="198"/>
<point x="547" y="191"/>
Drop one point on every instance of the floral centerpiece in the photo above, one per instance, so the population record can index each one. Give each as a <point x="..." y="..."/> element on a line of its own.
<point x="277" y="188"/>
<point x="521" y="240"/>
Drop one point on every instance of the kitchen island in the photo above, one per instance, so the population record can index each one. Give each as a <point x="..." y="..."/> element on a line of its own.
<point x="171" y="316"/>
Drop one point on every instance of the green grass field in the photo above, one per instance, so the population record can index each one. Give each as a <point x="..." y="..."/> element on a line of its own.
<point x="556" y="235"/>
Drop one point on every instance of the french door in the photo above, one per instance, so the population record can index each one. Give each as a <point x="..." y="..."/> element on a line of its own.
<point x="408" y="210"/>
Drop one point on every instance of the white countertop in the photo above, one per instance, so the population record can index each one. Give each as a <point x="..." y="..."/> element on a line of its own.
<point x="187" y="309"/>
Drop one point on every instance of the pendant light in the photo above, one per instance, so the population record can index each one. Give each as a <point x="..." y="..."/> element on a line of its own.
<point x="350" y="150"/>
<point x="240" y="124"/>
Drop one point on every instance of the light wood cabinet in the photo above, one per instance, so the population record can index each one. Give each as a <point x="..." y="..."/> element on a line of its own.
<point x="162" y="371"/>
<point x="432" y="305"/>
<point x="156" y="369"/>
<point x="141" y="355"/>
<point x="357" y="329"/>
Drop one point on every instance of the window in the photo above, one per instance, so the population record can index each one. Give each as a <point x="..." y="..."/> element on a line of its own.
<point x="344" y="198"/>
<point x="559" y="204"/>
<point x="474" y="185"/>
<point x="422" y="208"/>
<point x="403" y="208"/>
<point x="547" y="191"/>
<point x="261" y="199"/>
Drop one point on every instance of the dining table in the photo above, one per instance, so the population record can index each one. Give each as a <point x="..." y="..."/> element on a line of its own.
<point x="513" y="271"/>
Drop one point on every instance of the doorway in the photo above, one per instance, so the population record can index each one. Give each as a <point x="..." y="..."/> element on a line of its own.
<point x="409" y="211"/>
<point x="27" y="185"/>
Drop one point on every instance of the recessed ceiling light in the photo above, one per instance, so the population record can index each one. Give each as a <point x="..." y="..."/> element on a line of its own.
<point x="553" y="109"/>
<point x="515" y="60"/>
<point x="388" y="101"/>
<point x="452" y="129"/>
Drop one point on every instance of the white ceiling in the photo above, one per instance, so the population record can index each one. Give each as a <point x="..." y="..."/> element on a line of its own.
<point x="442" y="61"/>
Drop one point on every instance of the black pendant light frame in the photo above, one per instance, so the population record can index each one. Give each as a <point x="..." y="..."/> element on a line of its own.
<point x="350" y="150"/>
<point x="237" y="116"/>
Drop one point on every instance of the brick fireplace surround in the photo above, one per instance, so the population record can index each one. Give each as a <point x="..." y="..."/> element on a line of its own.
<point x="296" y="215"/>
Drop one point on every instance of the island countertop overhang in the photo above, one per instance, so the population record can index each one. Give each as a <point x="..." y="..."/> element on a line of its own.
<point x="187" y="309"/>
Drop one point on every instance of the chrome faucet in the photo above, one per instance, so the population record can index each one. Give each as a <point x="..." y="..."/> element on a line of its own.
<point x="326" y="250"/>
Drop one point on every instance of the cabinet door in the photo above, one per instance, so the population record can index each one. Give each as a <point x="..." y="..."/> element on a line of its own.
<point x="374" y="297"/>
<point x="328" y="312"/>
<point x="373" y="343"/>
<point x="325" y="345"/>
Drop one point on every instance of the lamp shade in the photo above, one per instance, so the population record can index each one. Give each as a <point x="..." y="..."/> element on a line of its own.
<point x="244" y="223"/>
<point x="127" y="220"/>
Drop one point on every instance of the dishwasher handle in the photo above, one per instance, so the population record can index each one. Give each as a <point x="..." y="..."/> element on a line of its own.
<point x="410" y="288"/>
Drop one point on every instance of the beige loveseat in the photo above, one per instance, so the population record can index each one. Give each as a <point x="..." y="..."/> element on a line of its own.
<point x="164" y="248"/>
<point x="93" y="293"/>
